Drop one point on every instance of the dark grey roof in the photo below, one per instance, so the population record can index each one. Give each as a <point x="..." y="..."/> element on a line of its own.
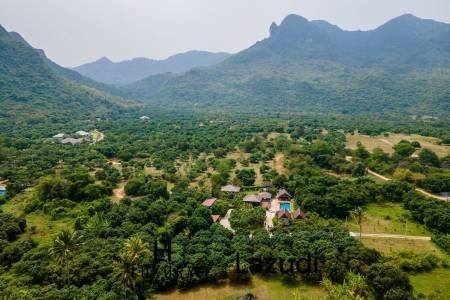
<point x="252" y="198"/>
<point x="283" y="192"/>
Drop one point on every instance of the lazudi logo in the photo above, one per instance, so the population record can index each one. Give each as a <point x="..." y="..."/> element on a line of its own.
<point x="162" y="263"/>
<point x="268" y="265"/>
<point x="162" y="258"/>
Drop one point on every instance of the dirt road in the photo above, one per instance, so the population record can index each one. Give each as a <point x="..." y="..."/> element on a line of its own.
<point x="391" y="236"/>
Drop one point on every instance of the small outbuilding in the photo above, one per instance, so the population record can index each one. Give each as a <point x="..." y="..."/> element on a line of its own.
<point x="253" y="199"/>
<point x="209" y="202"/>
<point x="59" y="136"/>
<point x="144" y="118"/>
<point x="229" y="188"/>
<point x="215" y="218"/>
<point x="298" y="214"/>
<point x="82" y="133"/>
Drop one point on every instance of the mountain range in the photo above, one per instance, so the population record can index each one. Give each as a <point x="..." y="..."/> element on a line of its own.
<point x="124" y="72"/>
<point x="402" y="67"/>
<point x="398" y="69"/>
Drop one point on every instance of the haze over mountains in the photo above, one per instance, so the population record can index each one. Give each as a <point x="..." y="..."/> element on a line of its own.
<point x="124" y="72"/>
<point x="400" y="68"/>
<point x="313" y="66"/>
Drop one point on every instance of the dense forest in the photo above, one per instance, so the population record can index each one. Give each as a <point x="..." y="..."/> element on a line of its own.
<point x="168" y="165"/>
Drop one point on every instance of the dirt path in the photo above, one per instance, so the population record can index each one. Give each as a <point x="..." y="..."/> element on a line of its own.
<point x="270" y="213"/>
<point x="225" y="221"/>
<point x="423" y="192"/>
<point x="278" y="164"/>
<point x="391" y="236"/>
<point x="119" y="192"/>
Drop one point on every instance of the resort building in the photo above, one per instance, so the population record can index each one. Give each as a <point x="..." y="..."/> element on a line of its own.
<point x="253" y="199"/>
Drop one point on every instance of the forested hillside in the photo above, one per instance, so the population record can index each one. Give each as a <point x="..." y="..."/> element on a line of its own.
<point x="31" y="91"/>
<point x="402" y="67"/>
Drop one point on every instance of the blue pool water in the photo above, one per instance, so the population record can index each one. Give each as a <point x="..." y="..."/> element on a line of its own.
<point x="286" y="206"/>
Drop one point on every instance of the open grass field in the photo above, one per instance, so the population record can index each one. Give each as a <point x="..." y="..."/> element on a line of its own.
<point x="388" y="246"/>
<point x="386" y="143"/>
<point x="263" y="288"/>
<point x="388" y="218"/>
<point x="435" y="282"/>
<point x="39" y="226"/>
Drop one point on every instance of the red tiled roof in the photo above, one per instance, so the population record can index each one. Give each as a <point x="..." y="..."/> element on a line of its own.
<point x="209" y="202"/>
<point x="299" y="214"/>
<point x="215" y="218"/>
<point x="252" y="198"/>
<point x="283" y="213"/>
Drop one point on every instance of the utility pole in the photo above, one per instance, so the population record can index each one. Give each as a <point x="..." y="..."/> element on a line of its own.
<point x="406" y="228"/>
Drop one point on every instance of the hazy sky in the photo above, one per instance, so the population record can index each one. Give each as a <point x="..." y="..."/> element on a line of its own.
<point x="74" y="32"/>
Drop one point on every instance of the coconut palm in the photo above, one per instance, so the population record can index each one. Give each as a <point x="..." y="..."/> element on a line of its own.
<point x="135" y="248"/>
<point x="358" y="215"/>
<point x="126" y="271"/>
<point x="64" y="245"/>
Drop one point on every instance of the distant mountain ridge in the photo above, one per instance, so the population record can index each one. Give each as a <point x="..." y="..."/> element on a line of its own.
<point x="129" y="71"/>
<point x="401" y="67"/>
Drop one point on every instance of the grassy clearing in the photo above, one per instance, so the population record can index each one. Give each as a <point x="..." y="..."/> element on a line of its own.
<point x="388" y="246"/>
<point x="386" y="143"/>
<point x="273" y="135"/>
<point x="263" y="288"/>
<point x="119" y="192"/>
<point x="436" y="281"/>
<point x="388" y="218"/>
<point x="39" y="225"/>
<point x="278" y="164"/>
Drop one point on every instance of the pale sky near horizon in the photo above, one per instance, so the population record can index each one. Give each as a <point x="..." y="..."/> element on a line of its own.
<point x="74" y="32"/>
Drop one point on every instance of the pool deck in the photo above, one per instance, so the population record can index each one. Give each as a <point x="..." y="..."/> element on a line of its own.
<point x="272" y="211"/>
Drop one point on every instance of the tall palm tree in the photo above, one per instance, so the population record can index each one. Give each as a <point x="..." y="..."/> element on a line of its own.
<point x="65" y="243"/>
<point x="135" y="248"/>
<point x="358" y="215"/>
<point x="126" y="271"/>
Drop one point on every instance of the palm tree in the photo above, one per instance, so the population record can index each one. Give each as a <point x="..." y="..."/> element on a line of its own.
<point x="358" y="214"/>
<point x="65" y="243"/>
<point x="126" y="271"/>
<point x="133" y="251"/>
<point x="135" y="248"/>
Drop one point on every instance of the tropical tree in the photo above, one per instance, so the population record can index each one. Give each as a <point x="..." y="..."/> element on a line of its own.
<point x="358" y="215"/>
<point x="126" y="271"/>
<point x="135" y="248"/>
<point x="64" y="245"/>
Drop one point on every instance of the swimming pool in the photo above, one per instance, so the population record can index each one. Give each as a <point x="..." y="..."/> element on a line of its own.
<point x="286" y="206"/>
